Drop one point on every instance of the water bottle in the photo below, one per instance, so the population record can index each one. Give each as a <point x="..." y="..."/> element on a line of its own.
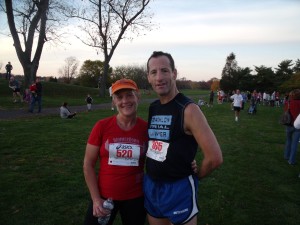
<point x="108" y="205"/>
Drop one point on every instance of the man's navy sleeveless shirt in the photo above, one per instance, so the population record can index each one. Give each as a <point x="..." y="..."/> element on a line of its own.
<point x="165" y="123"/>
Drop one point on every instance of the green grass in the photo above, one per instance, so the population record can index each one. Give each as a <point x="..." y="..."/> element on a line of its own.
<point x="41" y="179"/>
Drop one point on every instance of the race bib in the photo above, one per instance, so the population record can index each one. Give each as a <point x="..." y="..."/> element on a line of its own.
<point x="157" y="150"/>
<point x="124" y="154"/>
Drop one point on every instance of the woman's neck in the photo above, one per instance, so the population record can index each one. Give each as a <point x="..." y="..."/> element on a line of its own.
<point x="126" y="123"/>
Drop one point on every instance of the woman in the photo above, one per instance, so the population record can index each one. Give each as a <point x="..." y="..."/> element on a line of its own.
<point x="292" y="134"/>
<point x="119" y="142"/>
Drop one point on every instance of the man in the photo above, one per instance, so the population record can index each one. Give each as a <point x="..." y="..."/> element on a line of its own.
<point x="36" y="95"/>
<point x="8" y="68"/>
<point x="15" y="86"/>
<point x="237" y="104"/>
<point x="176" y="127"/>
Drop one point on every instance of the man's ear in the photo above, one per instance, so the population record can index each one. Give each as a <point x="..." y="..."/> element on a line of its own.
<point x="148" y="79"/>
<point x="174" y="74"/>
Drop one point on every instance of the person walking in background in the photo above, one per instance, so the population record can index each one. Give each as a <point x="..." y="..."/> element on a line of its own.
<point x="237" y="104"/>
<point x="259" y="98"/>
<point x="15" y="86"/>
<point x="8" y="68"/>
<point x="272" y="99"/>
<point x="36" y="95"/>
<point x="220" y="96"/>
<point x="65" y="113"/>
<point x="176" y="127"/>
<point x="277" y="99"/>
<point x="110" y="94"/>
<point x="211" y="98"/>
<point x="119" y="143"/>
<point x="292" y="133"/>
<point x="89" y="102"/>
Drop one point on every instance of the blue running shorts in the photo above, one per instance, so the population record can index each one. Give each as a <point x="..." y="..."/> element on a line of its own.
<point x="175" y="200"/>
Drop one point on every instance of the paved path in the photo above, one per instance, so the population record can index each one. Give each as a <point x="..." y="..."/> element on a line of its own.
<point x="23" y="112"/>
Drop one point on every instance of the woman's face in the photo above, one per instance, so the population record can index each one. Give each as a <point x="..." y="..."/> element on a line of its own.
<point x="126" y="102"/>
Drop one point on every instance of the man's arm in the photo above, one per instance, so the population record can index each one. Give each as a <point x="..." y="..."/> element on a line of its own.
<point x="196" y="124"/>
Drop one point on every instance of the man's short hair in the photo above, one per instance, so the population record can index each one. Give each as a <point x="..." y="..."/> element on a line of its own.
<point x="156" y="54"/>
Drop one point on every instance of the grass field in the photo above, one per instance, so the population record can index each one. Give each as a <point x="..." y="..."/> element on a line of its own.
<point x="41" y="179"/>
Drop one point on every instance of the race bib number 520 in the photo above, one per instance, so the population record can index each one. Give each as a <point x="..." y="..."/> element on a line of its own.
<point x="124" y="154"/>
<point x="157" y="150"/>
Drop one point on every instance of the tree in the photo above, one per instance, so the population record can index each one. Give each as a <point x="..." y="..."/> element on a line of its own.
<point x="91" y="73"/>
<point x="244" y="78"/>
<point x="105" y="23"/>
<point x="69" y="70"/>
<point x="136" y="73"/>
<point x="183" y="83"/>
<point x="230" y="65"/>
<point x="296" y="67"/>
<point x="203" y="85"/>
<point x="215" y="84"/>
<point x="265" y="78"/>
<point x="228" y="80"/>
<point x="283" y="72"/>
<point x="27" y="20"/>
<point x="292" y="83"/>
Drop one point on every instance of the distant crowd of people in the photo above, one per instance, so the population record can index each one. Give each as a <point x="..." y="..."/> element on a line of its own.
<point x="290" y="102"/>
<point x="273" y="99"/>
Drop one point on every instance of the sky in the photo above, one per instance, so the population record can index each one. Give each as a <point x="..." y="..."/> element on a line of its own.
<point x="199" y="34"/>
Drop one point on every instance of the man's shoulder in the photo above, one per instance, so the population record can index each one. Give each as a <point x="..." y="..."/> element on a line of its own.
<point x="182" y="101"/>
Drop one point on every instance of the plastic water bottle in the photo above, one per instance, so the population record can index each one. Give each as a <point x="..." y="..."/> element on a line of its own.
<point x="108" y="204"/>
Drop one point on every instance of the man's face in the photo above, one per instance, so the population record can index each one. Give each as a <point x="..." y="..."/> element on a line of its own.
<point x="161" y="76"/>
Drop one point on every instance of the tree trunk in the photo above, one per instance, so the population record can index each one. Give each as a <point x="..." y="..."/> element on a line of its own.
<point x="104" y="79"/>
<point x="39" y="20"/>
<point x="30" y="70"/>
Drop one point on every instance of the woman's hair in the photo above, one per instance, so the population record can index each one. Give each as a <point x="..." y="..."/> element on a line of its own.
<point x="295" y="94"/>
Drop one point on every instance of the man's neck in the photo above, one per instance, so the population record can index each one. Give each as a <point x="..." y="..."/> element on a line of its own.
<point x="164" y="99"/>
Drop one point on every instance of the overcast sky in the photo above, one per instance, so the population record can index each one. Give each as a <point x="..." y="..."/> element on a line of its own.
<point x="199" y="34"/>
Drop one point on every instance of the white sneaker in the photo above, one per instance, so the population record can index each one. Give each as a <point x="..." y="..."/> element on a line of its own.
<point x="112" y="109"/>
<point x="236" y="119"/>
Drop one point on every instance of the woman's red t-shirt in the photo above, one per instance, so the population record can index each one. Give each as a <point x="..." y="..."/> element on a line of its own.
<point x="122" y="156"/>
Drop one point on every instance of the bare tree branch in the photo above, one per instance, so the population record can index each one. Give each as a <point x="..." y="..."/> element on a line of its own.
<point x="106" y="22"/>
<point x="28" y="21"/>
